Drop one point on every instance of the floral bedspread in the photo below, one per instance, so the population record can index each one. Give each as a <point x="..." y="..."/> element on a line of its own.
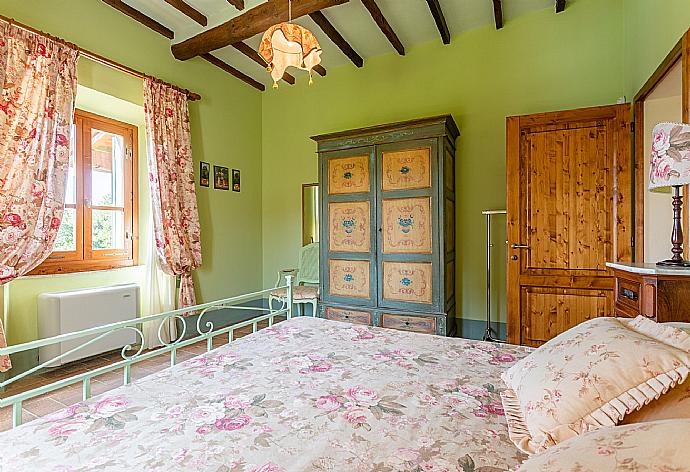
<point x="305" y="395"/>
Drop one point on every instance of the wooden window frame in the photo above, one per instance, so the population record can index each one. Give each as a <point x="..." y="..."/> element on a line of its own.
<point x="84" y="258"/>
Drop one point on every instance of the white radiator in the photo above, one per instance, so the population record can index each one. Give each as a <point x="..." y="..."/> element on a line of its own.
<point x="66" y="312"/>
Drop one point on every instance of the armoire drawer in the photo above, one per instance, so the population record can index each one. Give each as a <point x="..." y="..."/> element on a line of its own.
<point x="350" y="316"/>
<point x="417" y="324"/>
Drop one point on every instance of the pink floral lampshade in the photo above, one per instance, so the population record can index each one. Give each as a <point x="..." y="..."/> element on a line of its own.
<point x="670" y="161"/>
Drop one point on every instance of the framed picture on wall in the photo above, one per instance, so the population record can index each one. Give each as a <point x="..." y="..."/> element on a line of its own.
<point x="204" y="174"/>
<point x="235" y="180"/>
<point x="221" y="178"/>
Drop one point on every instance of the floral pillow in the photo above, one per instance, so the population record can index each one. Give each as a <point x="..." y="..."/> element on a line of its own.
<point x="591" y="376"/>
<point x="673" y="405"/>
<point x="641" y="448"/>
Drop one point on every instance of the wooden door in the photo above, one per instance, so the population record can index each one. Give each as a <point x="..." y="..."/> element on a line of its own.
<point x="569" y="212"/>
<point x="407" y="216"/>
<point x="348" y="213"/>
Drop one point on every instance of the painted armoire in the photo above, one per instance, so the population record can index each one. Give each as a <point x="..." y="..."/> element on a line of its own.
<point x="387" y="196"/>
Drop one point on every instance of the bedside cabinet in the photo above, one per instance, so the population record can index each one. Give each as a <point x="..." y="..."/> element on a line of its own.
<point x="659" y="294"/>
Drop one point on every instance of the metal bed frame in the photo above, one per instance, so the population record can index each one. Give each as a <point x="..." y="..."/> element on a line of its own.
<point x="205" y="330"/>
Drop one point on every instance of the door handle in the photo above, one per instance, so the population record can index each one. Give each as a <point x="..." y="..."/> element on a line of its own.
<point x="519" y="246"/>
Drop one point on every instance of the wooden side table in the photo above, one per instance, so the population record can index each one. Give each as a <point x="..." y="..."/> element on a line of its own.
<point x="657" y="293"/>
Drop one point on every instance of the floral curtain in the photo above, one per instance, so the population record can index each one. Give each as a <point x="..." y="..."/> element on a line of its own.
<point x="39" y="82"/>
<point x="173" y="194"/>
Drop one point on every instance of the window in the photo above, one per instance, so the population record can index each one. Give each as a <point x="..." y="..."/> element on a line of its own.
<point x="99" y="225"/>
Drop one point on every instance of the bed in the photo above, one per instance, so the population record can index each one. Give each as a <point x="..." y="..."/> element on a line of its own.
<point x="305" y="394"/>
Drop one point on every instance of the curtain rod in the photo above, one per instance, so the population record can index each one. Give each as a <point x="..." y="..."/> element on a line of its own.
<point x="102" y="60"/>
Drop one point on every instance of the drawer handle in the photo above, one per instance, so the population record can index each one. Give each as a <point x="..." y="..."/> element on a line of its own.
<point x="347" y="317"/>
<point x="407" y="324"/>
<point x="629" y="294"/>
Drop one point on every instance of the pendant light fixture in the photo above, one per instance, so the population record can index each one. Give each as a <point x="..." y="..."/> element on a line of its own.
<point x="288" y="45"/>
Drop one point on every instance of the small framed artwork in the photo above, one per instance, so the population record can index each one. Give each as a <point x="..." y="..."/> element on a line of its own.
<point x="235" y="180"/>
<point x="204" y="174"/>
<point x="221" y="178"/>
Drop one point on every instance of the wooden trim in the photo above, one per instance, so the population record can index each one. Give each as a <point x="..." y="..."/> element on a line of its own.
<point x="513" y="305"/>
<point x="234" y="72"/>
<point x="560" y="6"/>
<point x="84" y="258"/>
<point x="686" y="119"/>
<point x="623" y="195"/>
<point x="679" y="52"/>
<point x="242" y="27"/>
<point x="453" y="130"/>
<point x="141" y="18"/>
<point x="440" y="20"/>
<point x="666" y="65"/>
<point x="383" y="25"/>
<point x="188" y="10"/>
<point x="239" y="4"/>
<point x="639" y="188"/>
<point x="498" y="14"/>
<point x="330" y="31"/>
<point x="249" y="51"/>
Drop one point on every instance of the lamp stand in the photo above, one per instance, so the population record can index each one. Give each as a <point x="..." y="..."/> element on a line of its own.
<point x="676" y="260"/>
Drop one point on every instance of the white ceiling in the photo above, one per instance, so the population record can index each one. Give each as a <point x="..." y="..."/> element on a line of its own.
<point x="410" y="19"/>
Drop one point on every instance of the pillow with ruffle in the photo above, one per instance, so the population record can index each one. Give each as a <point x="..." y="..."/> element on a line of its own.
<point x="645" y="447"/>
<point x="591" y="376"/>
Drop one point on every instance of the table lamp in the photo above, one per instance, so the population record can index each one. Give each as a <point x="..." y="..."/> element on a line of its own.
<point x="670" y="167"/>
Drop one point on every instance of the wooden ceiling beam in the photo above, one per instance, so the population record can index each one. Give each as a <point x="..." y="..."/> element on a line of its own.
<point x="188" y="10"/>
<point x="141" y="18"/>
<point x="239" y="4"/>
<point x="232" y="71"/>
<point x="498" y="14"/>
<point x="249" y="51"/>
<point x="330" y="31"/>
<point x="383" y="24"/>
<point x="440" y="19"/>
<point x="560" y="6"/>
<point x="248" y="24"/>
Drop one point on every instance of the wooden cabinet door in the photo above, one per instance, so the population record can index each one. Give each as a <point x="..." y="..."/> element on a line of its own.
<point x="407" y="218"/>
<point x="569" y="212"/>
<point x="348" y="257"/>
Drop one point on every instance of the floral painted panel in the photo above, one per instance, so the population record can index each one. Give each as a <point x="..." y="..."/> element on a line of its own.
<point x="305" y="395"/>
<point x="408" y="169"/>
<point x="349" y="278"/>
<point x="407" y="225"/>
<point x="349" y="226"/>
<point x="348" y="175"/>
<point x="407" y="281"/>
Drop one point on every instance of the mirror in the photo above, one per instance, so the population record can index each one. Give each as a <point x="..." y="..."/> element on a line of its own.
<point x="664" y="103"/>
<point x="310" y="214"/>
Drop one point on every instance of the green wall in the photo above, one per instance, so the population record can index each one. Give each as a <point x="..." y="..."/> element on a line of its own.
<point x="537" y="62"/>
<point x="652" y="28"/>
<point x="226" y="130"/>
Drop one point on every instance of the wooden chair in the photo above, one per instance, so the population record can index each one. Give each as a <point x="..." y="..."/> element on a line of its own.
<point x="305" y="290"/>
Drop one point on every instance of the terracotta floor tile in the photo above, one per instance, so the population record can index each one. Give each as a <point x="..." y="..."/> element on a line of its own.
<point x="43" y="405"/>
<point x="68" y="395"/>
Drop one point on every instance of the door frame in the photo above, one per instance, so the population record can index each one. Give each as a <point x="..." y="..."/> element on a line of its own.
<point x="622" y="192"/>
<point x="680" y="52"/>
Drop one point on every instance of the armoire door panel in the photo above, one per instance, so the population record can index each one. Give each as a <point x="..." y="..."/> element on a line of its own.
<point x="406" y="169"/>
<point x="568" y="215"/>
<point x="547" y="312"/>
<point x="349" y="278"/>
<point x="349" y="226"/>
<point x="406" y="225"/>
<point x="348" y="175"/>
<point x="410" y="282"/>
